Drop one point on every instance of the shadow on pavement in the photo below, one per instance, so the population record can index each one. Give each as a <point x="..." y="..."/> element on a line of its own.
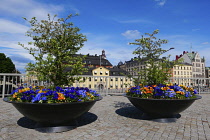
<point x="129" y="111"/>
<point x="85" y="119"/>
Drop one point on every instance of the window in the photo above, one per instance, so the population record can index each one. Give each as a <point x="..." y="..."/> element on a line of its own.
<point x="95" y="79"/>
<point x="116" y="79"/>
<point x="106" y="72"/>
<point x="89" y="78"/>
<point x="101" y="73"/>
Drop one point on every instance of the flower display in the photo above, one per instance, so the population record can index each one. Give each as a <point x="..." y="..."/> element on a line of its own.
<point x="39" y="94"/>
<point x="168" y="91"/>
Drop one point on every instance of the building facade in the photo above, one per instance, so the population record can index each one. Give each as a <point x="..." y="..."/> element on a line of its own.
<point x="182" y="74"/>
<point x="132" y="66"/>
<point x="198" y="63"/>
<point x="102" y="74"/>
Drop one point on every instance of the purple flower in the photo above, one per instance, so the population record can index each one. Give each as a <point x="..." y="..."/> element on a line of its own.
<point x="37" y="97"/>
<point x="195" y="91"/>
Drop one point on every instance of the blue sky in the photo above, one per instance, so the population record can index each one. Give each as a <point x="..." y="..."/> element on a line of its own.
<point x="111" y="24"/>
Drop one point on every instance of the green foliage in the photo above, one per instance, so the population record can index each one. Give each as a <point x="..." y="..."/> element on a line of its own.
<point x="6" y="64"/>
<point x="55" y="43"/>
<point x="157" y="69"/>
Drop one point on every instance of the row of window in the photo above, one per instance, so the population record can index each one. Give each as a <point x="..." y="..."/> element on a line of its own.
<point x="102" y="86"/>
<point x="182" y="73"/>
<point x="198" y="65"/>
<point x="111" y="86"/>
<point x="104" y="79"/>
<point x="101" y="72"/>
<point x="137" y="68"/>
<point x="182" y="68"/>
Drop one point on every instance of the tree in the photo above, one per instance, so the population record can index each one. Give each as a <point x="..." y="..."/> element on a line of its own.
<point x="6" y="64"/>
<point x="157" y="70"/>
<point x="55" y="43"/>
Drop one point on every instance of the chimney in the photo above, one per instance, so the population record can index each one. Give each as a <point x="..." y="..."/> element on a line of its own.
<point x="177" y="57"/>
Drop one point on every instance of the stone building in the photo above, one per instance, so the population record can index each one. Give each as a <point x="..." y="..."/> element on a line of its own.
<point x="198" y="63"/>
<point x="132" y="66"/>
<point x="102" y="74"/>
<point x="207" y="69"/>
<point x="182" y="74"/>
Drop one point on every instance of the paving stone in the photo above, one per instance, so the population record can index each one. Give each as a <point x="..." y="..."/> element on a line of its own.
<point x="116" y="119"/>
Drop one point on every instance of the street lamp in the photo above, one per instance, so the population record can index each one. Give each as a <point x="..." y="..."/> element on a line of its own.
<point x="172" y="48"/>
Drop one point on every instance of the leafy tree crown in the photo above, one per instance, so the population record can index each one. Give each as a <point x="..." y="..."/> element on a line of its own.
<point x="157" y="69"/>
<point x="55" y="43"/>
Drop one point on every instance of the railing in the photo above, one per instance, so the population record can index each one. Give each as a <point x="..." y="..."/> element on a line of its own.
<point x="102" y="84"/>
<point x="201" y="84"/>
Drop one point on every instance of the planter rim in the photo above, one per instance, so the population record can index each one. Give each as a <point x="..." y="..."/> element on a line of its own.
<point x="198" y="97"/>
<point x="6" y="99"/>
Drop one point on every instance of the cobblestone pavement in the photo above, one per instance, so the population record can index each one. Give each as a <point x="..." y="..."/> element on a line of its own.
<point x="113" y="118"/>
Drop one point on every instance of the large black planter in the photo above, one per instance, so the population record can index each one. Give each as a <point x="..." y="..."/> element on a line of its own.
<point x="161" y="110"/>
<point x="53" y="115"/>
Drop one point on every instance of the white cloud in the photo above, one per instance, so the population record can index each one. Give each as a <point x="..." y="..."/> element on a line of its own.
<point x="12" y="28"/>
<point x="195" y="30"/>
<point x="161" y="2"/>
<point x="135" y="21"/>
<point x="29" y="8"/>
<point x="131" y="34"/>
<point x="205" y="43"/>
<point x="7" y="26"/>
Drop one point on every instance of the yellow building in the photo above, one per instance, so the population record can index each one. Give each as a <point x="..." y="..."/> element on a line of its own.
<point x="104" y="78"/>
<point x="182" y="74"/>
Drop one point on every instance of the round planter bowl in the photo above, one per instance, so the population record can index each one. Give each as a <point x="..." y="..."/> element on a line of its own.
<point x="161" y="108"/>
<point x="55" y="114"/>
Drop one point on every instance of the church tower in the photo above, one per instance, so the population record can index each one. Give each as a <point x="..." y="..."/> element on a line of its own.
<point x="103" y="54"/>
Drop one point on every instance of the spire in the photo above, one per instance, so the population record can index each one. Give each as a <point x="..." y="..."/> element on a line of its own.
<point x="191" y="48"/>
<point x="103" y="54"/>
